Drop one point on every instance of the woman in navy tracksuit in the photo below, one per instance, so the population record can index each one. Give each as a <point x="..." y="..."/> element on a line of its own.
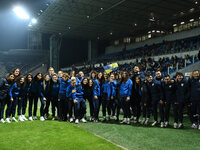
<point x="125" y="94"/>
<point x="181" y="98"/>
<point x="54" y="91"/>
<point x="194" y="89"/>
<point x="79" y="102"/>
<point x="136" y="99"/>
<point x="5" y="85"/>
<point x="26" y="95"/>
<point x="15" y="96"/>
<point x="145" y="101"/>
<point x="45" y="94"/>
<point x="35" y="91"/>
<point x="62" y="99"/>
<point x="100" y="81"/>
<point x="106" y="93"/>
<point x="88" y="94"/>
<point x="115" y="92"/>
<point x="97" y="87"/>
<point x="69" y="91"/>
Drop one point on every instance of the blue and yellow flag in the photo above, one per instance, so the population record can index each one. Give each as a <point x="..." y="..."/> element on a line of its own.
<point x="110" y="68"/>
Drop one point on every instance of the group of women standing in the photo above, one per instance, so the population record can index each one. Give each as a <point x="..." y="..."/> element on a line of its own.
<point x="136" y="93"/>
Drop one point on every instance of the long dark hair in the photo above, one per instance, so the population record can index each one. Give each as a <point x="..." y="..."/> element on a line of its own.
<point x="126" y="78"/>
<point x="26" y="82"/>
<point x="7" y="78"/>
<point x="18" y="81"/>
<point x="136" y="85"/>
<point x="36" y="78"/>
<point x="100" y="80"/>
<point x="104" y="80"/>
<point x="92" y="73"/>
<point x="44" y="82"/>
<point x="92" y="87"/>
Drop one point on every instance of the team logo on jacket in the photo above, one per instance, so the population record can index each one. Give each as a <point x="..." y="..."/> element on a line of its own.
<point x="182" y="84"/>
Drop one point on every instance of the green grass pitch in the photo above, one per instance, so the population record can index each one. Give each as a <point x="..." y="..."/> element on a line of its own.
<point x="54" y="135"/>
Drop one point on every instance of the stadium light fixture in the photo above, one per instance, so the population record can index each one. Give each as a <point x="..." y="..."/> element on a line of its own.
<point x="182" y="22"/>
<point x="21" y="13"/>
<point x="34" y="21"/>
<point x="191" y="20"/>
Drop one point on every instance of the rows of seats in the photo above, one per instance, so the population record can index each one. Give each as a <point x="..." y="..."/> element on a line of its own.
<point x="166" y="47"/>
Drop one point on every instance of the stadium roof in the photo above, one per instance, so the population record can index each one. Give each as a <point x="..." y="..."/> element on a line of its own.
<point x="110" y="19"/>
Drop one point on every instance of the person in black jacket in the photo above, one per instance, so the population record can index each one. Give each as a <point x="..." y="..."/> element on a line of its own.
<point x="5" y="85"/>
<point x="136" y="99"/>
<point x="156" y="94"/>
<point x="181" y="98"/>
<point x="88" y="94"/>
<point x="194" y="89"/>
<point x="36" y="88"/>
<point x="169" y="96"/>
<point x="26" y="95"/>
<point x="145" y="101"/>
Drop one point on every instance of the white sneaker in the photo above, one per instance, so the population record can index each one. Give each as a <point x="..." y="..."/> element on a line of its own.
<point x="34" y="118"/>
<point x="180" y="126"/>
<point x="83" y="120"/>
<point x="199" y="127"/>
<point x="155" y="123"/>
<point x="124" y="121"/>
<point x="146" y="122"/>
<point x="42" y="118"/>
<point x="128" y="121"/>
<point x="166" y="124"/>
<point x="30" y="119"/>
<point x="162" y="124"/>
<point x="20" y="118"/>
<point x="134" y="119"/>
<point x="2" y="121"/>
<point x="175" y="125"/>
<point x="194" y="126"/>
<point x="24" y="118"/>
<point x="91" y="119"/>
<point x="71" y="120"/>
<point x="76" y="121"/>
<point x="7" y="120"/>
<point x="14" y="120"/>
<point x="143" y="121"/>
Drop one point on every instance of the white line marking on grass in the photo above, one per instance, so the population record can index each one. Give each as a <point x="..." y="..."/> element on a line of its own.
<point x="110" y="142"/>
<point x="103" y="138"/>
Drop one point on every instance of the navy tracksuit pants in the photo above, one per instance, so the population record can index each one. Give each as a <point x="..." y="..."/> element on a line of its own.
<point x="126" y="107"/>
<point x="178" y="112"/>
<point x="62" y="107"/>
<point x="79" y="104"/>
